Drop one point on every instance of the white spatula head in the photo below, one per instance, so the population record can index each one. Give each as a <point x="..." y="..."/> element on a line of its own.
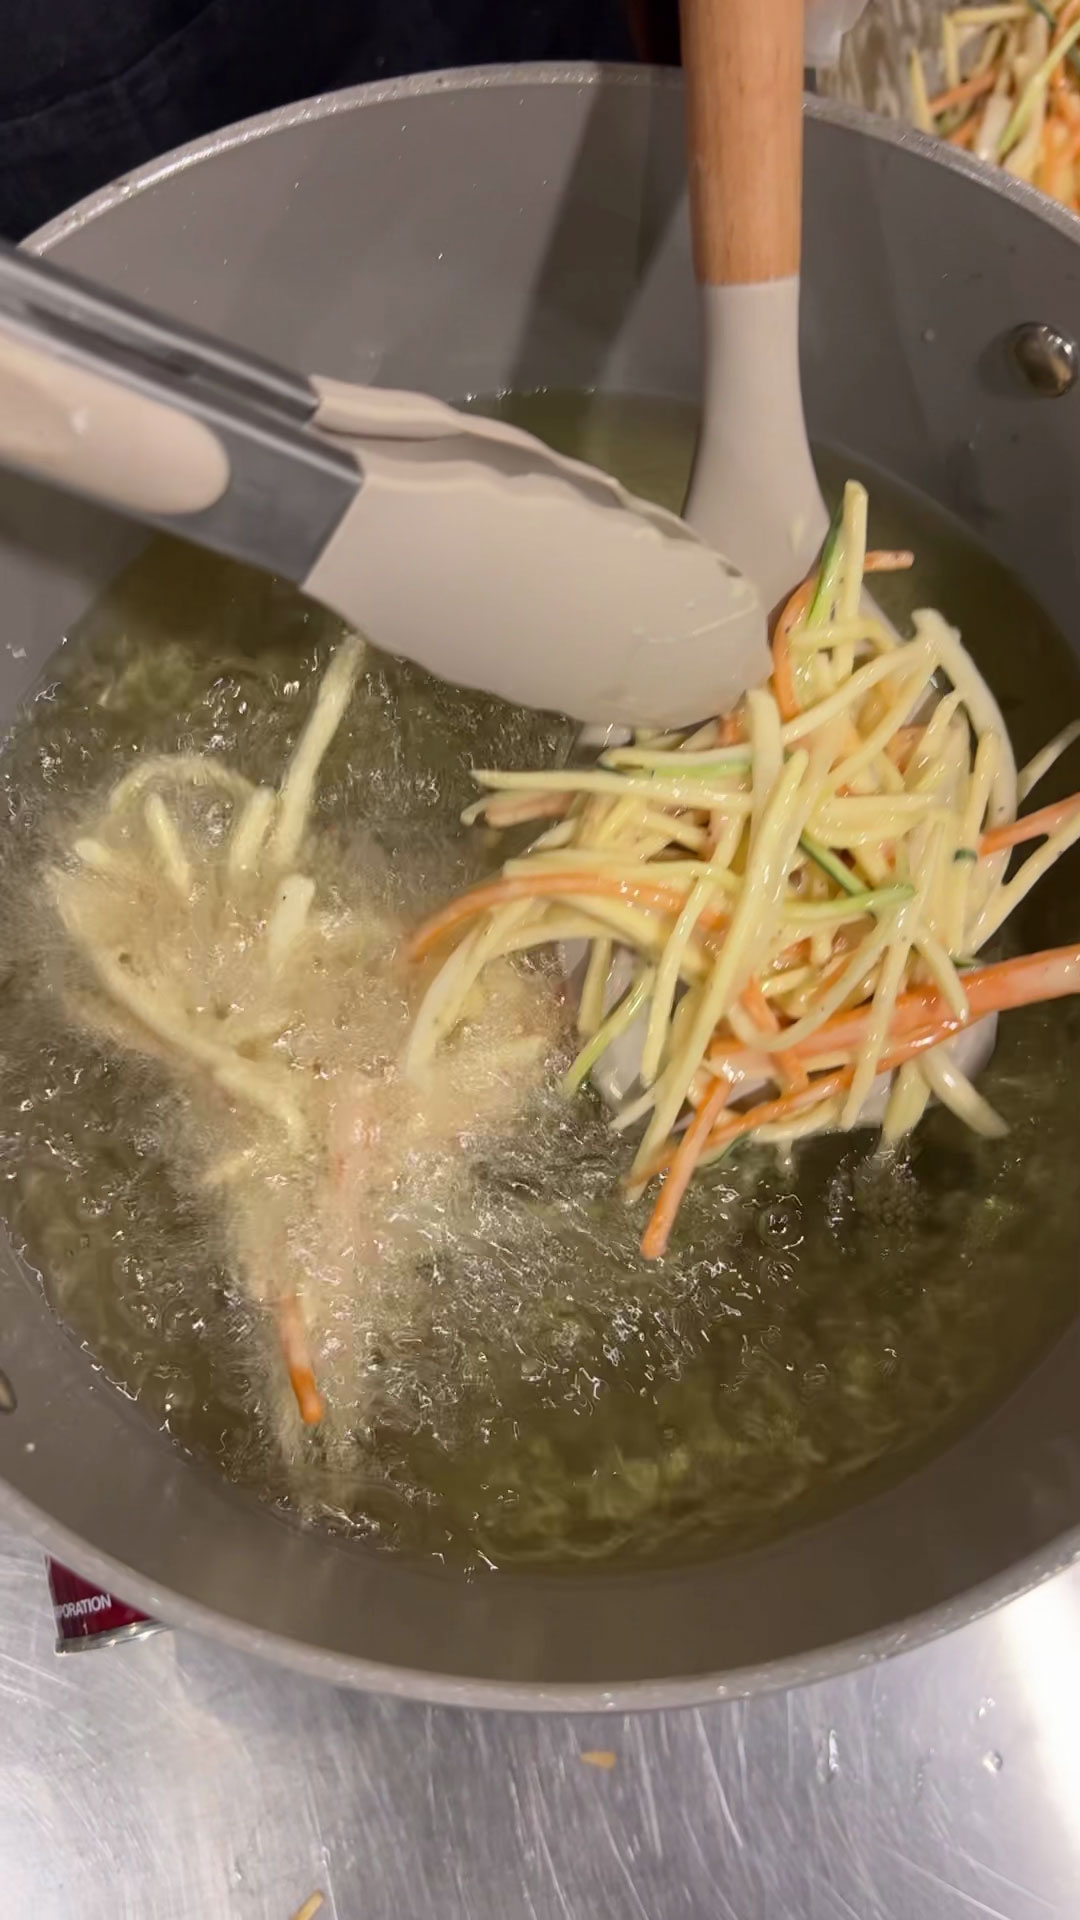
<point x="754" y="490"/>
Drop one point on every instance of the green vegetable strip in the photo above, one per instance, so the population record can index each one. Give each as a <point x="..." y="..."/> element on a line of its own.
<point x="872" y="900"/>
<point x="828" y="571"/>
<point x="1028" y="100"/>
<point x="830" y="864"/>
<point x="616" y="1023"/>
<point x="1045" y="14"/>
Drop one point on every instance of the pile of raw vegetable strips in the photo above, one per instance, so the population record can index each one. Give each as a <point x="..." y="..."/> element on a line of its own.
<point x="784" y="906"/>
<point x="1012" y="90"/>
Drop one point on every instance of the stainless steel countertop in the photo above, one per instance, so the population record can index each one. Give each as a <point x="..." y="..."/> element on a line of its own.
<point x="171" y="1779"/>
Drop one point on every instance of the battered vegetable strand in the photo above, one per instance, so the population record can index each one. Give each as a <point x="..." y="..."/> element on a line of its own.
<point x="214" y="934"/>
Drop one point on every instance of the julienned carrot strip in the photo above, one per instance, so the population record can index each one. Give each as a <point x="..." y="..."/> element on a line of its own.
<point x="515" y="809"/>
<point x="784" y="1107"/>
<point x="547" y="886"/>
<point x="764" y="1015"/>
<point x="1051" y="975"/>
<point x="957" y="96"/>
<point x="783" y="673"/>
<point x="757" y="1006"/>
<point x="687" y="1154"/>
<point x="1065" y="98"/>
<point x="783" y="679"/>
<point x="1054" y="171"/>
<point x="964" y="136"/>
<point x="730" y="730"/>
<point x="787" y="1105"/>
<point x="878" y="560"/>
<point x="1033" y="826"/>
<point x="828" y="1084"/>
<point x="294" y="1346"/>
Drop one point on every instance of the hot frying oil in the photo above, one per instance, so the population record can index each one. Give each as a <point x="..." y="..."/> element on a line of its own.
<point x="514" y="1383"/>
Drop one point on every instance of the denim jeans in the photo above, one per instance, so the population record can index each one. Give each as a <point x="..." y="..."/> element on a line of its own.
<point x="91" y="88"/>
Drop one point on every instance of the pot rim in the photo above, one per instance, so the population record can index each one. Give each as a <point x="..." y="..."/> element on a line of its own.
<point x="419" y="1683"/>
<point x="428" y="1686"/>
<point x="324" y="106"/>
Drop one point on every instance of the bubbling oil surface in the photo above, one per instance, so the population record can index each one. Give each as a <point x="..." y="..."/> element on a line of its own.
<point x="537" y="1392"/>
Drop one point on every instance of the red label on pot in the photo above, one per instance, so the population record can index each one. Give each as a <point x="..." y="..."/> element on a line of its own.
<point x="87" y="1617"/>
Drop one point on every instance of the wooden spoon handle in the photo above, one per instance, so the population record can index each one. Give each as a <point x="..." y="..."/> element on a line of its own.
<point x="743" y="61"/>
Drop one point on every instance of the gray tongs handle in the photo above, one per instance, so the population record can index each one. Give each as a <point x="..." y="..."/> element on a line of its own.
<point x="163" y="421"/>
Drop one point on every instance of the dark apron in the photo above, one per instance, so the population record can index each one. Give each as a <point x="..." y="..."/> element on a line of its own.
<point x="89" y="90"/>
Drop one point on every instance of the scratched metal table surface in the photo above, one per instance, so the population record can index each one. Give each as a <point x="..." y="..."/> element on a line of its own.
<point x="170" y="1779"/>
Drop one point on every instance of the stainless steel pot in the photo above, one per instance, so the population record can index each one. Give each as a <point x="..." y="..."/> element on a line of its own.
<point x="526" y="227"/>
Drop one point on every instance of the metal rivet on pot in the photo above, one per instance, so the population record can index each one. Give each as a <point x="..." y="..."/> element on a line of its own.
<point x="1047" y="359"/>
<point x="8" y="1401"/>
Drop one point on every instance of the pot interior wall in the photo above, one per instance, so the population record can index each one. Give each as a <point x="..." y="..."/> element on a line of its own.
<point x="466" y="234"/>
